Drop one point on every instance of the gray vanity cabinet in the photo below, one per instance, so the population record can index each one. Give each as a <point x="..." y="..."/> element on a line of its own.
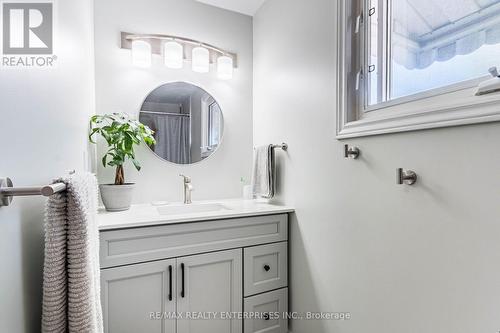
<point x="146" y="298"/>
<point x="155" y="278"/>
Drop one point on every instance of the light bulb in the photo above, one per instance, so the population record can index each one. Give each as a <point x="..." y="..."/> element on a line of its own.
<point x="200" y="60"/>
<point x="141" y="53"/>
<point x="225" y="68"/>
<point x="173" y="53"/>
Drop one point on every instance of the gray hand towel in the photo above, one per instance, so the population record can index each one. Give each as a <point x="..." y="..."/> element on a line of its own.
<point x="71" y="276"/>
<point x="263" y="175"/>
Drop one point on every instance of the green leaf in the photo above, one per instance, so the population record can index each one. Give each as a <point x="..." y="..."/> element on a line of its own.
<point x="136" y="164"/>
<point x="122" y="134"/>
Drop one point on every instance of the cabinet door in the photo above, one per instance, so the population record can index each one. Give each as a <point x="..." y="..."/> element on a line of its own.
<point x="138" y="298"/>
<point x="210" y="283"/>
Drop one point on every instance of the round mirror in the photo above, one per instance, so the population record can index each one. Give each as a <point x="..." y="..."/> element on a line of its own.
<point x="187" y="122"/>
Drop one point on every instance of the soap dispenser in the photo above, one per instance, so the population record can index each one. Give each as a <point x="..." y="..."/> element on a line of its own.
<point x="247" y="190"/>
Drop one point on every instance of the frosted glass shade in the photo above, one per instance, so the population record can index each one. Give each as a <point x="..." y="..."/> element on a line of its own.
<point x="141" y="53"/>
<point x="225" y="68"/>
<point x="173" y="54"/>
<point x="200" y="61"/>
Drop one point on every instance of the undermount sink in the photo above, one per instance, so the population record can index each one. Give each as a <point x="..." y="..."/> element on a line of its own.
<point x="191" y="208"/>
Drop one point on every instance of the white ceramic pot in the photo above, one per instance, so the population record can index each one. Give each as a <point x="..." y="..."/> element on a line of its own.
<point x="116" y="198"/>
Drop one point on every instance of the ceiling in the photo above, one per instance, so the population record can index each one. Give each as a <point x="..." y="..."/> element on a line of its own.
<point x="248" y="7"/>
<point x="175" y="93"/>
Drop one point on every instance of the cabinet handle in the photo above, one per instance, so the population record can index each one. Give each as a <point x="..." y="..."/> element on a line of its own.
<point x="170" y="282"/>
<point x="267" y="268"/>
<point x="182" y="281"/>
<point x="266" y="316"/>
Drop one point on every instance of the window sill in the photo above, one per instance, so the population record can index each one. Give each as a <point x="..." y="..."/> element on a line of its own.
<point x="423" y="114"/>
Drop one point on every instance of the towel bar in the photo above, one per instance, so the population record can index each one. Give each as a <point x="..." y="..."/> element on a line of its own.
<point x="283" y="146"/>
<point x="7" y="191"/>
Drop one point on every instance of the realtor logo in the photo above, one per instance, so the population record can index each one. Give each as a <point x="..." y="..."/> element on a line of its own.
<point x="27" y="29"/>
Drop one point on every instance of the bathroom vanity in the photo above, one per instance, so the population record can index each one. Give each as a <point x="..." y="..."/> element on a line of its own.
<point x="208" y="267"/>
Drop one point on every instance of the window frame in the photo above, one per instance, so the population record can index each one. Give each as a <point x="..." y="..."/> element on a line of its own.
<point x="210" y="123"/>
<point x="208" y="146"/>
<point x="451" y="105"/>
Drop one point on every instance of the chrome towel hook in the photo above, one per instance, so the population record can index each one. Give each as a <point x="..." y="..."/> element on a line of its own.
<point x="407" y="177"/>
<point x="351" y="152"/>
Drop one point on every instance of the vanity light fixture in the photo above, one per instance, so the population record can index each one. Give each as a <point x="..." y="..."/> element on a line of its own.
<point x="175" y="50"/>
<point x="173" y="54"/>
<point x="200" y="60"/>
<point x="225" y="68"/>
<point x="141" y="53"/>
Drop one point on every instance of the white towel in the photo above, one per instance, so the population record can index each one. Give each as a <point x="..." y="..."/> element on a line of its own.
<point x="263" y="175"/>
<point x="71" y="276"/>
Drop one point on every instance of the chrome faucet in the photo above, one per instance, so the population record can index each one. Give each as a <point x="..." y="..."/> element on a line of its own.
<point x="188" y="188"/>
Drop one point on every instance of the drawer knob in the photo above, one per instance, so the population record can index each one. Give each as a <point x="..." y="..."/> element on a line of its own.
<point x="266" y="316"/>
<point x="267" y="268"/>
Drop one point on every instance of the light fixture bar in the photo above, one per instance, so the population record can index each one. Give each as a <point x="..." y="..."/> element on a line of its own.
<point x="156" y="41"/>
<point x="179" y="40"/>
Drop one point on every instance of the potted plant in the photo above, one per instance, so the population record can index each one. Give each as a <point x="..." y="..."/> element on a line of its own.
<point x="121" y="134"/>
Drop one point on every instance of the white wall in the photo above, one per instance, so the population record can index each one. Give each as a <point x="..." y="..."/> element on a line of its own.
<point x="400" y="259"/>
<point x="122" y="87"/>
<point x="44" y="117"/>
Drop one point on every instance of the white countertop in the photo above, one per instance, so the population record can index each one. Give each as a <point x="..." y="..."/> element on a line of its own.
<point x="147" y="214"/>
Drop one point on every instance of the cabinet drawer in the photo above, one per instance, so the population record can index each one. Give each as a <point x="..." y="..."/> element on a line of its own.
<point x="135" y="245"/>
<point x="269" y="310"/>
<point x="265" y="268"/>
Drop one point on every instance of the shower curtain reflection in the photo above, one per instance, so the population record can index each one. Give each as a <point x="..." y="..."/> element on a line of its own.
<point x="172" y="134"/>
<point x="175" y="145"/>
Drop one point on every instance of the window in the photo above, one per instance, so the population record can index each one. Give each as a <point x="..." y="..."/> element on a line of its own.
<point x="213" y="124"/>
<point x="402" y="61"/>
